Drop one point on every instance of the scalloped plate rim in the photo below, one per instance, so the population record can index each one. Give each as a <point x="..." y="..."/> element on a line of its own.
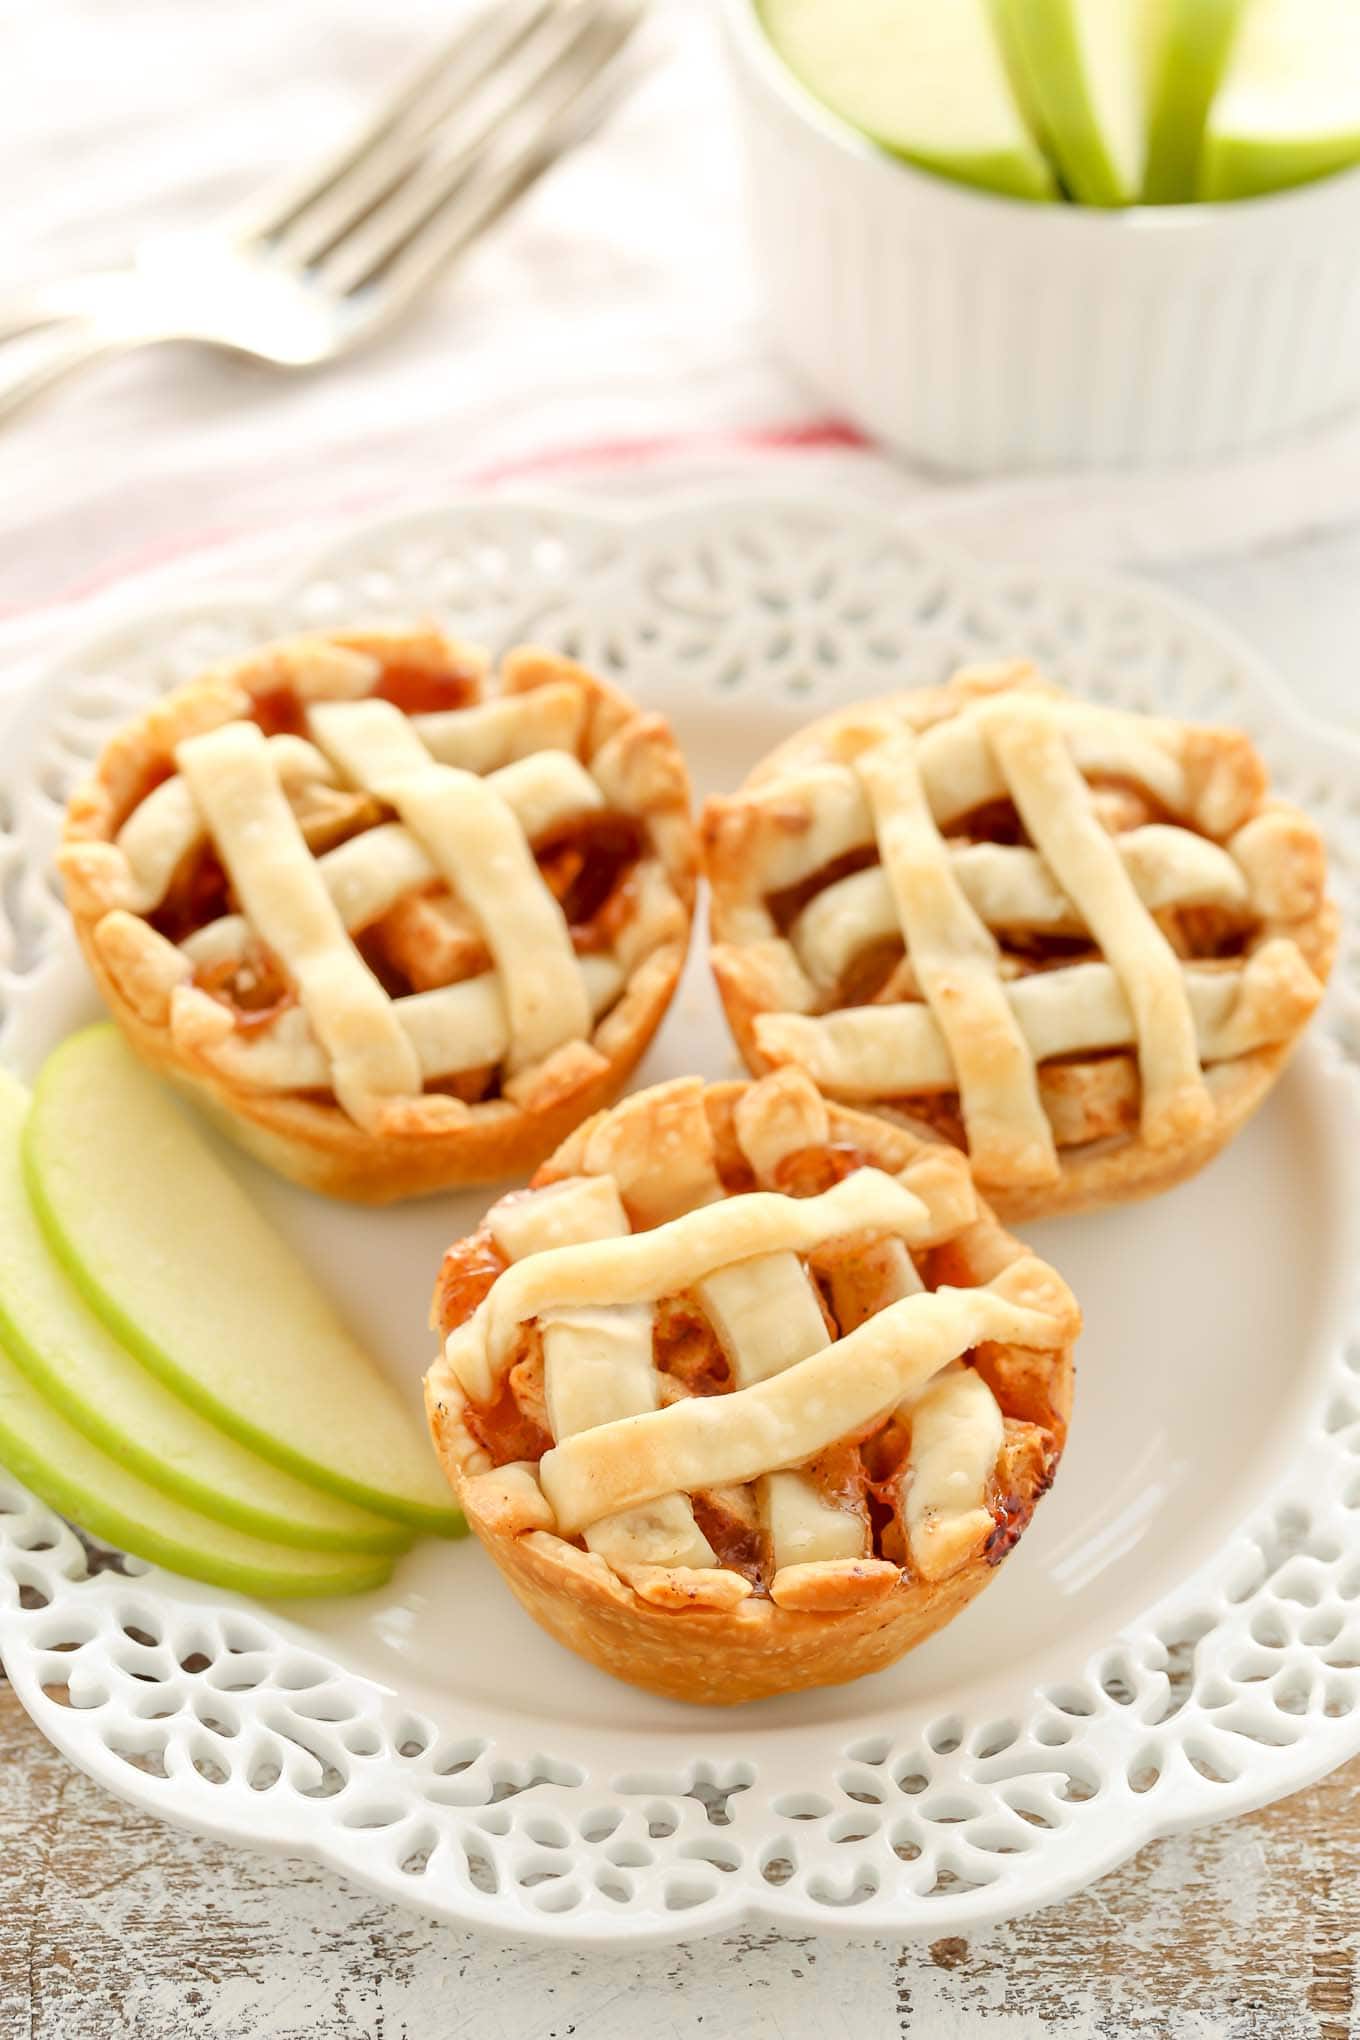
<point x="114" y="612"/>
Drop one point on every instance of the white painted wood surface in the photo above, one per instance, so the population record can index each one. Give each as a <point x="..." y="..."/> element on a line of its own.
<point x="114" y="1926"/>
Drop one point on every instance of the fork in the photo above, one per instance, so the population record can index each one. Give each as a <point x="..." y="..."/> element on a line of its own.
<point x="313" y="270"/>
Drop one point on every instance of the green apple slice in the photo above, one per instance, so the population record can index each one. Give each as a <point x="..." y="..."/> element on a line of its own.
<point x="1004" y="23"/>
<point x="1288" y="110"/>
<point x="169" y="1252"/>
<point x="98" y="1386"/>
<point x="923" y="78"/>
<point x="1198" y="42"/>
<point x="1088" y="66"/>
<point x="117" y="1507"/>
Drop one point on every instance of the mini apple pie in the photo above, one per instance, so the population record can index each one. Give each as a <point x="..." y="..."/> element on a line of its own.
<point x="1076" y="942"/>
<point x="747" y="1392"/>
<point x="400" y="923"/>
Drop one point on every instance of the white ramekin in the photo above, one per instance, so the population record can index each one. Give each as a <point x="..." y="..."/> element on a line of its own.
<point x="985" y="334"/>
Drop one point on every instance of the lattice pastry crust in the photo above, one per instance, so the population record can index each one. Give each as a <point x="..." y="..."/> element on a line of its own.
<point x="1079" y="943"/>
<point x="747" y="1392"/>
<point x="400" y="923"/>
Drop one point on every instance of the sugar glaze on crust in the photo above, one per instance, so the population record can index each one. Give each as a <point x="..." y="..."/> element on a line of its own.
<point x="748" y="1392"/>
<point x="397" y="921"/>
<point x="1077" y="942"/>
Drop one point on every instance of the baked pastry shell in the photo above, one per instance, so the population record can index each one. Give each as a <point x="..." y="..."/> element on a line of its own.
<point x="1101" y="1173"/>
<point x="717" y="1657"/>
<point x="1108" y="1172"/>
<point x="312" y="1141"/>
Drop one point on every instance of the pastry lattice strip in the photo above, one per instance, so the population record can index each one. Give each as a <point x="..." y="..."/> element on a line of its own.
<point x="470" y="832"/>
<point x="797" y="1393"/>
<point x="787" y="1419"/>
<point x="877" y="1051"/>
<point x="598" y="1366"/>
<point x="1011" y="889"/>
<point x="768" y="1315"/>
<point x="981" y="1027"/>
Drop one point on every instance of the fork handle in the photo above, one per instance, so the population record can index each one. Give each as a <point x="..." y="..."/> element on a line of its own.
<point x="54" y="304"/>
<point x="21" y="386"/>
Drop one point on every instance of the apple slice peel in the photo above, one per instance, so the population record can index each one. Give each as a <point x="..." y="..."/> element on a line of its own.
<point x="170" y="1253"/>
<point x="923" y="79"/>
<point x="1288" y="110"/>
<point x="98" y="1386"/>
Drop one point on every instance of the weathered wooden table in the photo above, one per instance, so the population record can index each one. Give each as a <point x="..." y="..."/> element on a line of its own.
<point x="114" y="1926"/>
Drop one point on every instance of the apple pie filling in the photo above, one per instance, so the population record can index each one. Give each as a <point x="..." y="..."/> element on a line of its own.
<point x="841" y="924"/>
<point x="1031" y="923"/>
<point x="912" y="1485"/>
<point x="363" y="868"/>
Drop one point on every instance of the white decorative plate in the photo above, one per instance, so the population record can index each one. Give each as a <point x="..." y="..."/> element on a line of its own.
<point x="1177" y="1638"/>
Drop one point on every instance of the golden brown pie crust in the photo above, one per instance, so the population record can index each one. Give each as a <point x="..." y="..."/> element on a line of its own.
<point x="719" y="1655"/>
<point x="429" y="1142"/>
<point x="1286" y="943"/>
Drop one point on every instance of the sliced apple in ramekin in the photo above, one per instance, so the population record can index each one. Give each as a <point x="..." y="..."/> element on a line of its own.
<point x="1289" y="107"/>
<point x="922" y="78"/>
<point x="1088" y="66"/>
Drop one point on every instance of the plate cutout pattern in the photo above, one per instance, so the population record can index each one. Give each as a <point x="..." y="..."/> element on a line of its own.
<point x="1242" y="1685"/>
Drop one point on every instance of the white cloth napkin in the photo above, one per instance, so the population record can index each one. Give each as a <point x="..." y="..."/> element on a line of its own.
<point x="609" y="333"/>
